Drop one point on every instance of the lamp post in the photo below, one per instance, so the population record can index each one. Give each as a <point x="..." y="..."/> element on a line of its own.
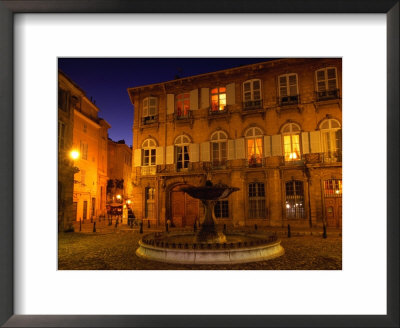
<point x="74" y="155"/>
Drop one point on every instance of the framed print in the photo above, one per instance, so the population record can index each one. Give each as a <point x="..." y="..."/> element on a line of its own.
<point x="247" y="122"/>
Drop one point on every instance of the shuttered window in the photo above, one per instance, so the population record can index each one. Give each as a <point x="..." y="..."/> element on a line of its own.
<point x="288" y="85"/>
<point x="149" y="152"/>
<point x="291" y="142"/>
<point x="219" y="141"/>
<point x="182" y="105"/>
<point x="182" y="152"/>
<point x="331" y="134"/>
<point x="254" y="147"/>
<point x="218" y="99"/>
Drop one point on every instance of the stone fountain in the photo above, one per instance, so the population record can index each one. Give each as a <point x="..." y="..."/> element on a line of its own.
<point x="208" y="245"/>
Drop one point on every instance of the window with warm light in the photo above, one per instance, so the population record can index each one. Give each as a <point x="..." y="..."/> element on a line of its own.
<point x="291" y="142"/>
<point x="149" y="152"/>
<point x="327" y="84"/>
<point x="219" y="142"/>
<point x="182" y="152"/>
<point x="218" y="99"/>
<point x="294" y="200"/>
<point x="254" y="146"/>
<point x="182" y="105"/>
<point x="331" y="133"/>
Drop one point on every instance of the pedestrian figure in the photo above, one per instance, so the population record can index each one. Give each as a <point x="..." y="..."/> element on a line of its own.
<point x="94" y="227"/>
<point x="324" y="234"/>
<point x="141" y="227"/>
<point x="288" y="231"/>
<point x="195" y="227"/>
<point x="148" y="224"/>
<point x="116" y="223"/>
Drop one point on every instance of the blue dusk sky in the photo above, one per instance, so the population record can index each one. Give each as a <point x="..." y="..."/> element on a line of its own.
<point x="106" y="80"/>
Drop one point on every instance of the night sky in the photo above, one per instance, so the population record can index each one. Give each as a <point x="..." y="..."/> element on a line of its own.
<point x="107" y="80"/>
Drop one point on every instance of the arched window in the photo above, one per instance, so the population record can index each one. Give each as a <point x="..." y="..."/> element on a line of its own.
<point x="219" y="140"/>
<point x="331" y="133"/>
<point x="182" y="152"/>
<point x="149" y="152"/>
<point x="254" y="146"/>
<point x="291" y="142"/>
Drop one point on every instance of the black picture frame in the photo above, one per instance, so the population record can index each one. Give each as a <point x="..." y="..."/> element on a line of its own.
<point x="7" y="10"/>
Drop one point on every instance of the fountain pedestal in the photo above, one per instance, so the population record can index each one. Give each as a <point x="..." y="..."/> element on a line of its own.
<point x="208" y="232"/>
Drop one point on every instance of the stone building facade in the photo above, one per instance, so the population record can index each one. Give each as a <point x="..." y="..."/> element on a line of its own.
<point x="119" y="168"/>
<point x="272" y="129"/>
<point x="67" y="90"/>
<point x="87" y="135"/>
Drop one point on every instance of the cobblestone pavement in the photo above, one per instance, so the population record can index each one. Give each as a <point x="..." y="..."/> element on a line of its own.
<point x="115" y="250"/>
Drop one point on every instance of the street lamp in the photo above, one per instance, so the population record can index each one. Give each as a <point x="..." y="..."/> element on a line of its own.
<point x="74" y="154"/>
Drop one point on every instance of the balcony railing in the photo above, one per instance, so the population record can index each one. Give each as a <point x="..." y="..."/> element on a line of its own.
<point x="182" y="117"/>
<point x="149" y="170"/>
<point x="289" y="100"/>
<point x="332" y="157"/>
<point x="327" y="94"/>
<point x="149" y="119"/>
<point x="254" y="162"/>
<point x="217" y="111"/>
<point x="253" y="104"/>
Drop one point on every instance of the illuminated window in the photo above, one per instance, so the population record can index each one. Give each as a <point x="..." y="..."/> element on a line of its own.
<point x="221" y="209"/>
<point x="333" y="188"/>
<point x="291" y="142"/>
<point x="182" y="152"/>
<point x="182" y="105"/>
<point x="219" y="141"/>
<point x="331" y="140"/>
<point x="294" y="200"/>
<point x="252" y="94"/>
<point x="218" y="99"/>
<point x="149" y="152"/>
<point x="254" y="143"/>
<point x="288" y="89"/>
<point x="256" y="200"/>
<point x="327" y="84"/>
<point x="149" y="205"/>
<point x="149" y="109"/>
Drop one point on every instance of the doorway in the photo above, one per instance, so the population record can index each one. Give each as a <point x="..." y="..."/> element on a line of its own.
<point x="333" y="202"/>
<point x="184" y="209"/>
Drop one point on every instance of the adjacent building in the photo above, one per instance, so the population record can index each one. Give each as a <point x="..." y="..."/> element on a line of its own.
<point x="119" y="172"/>
<point x="272" y="129"/>
<point x="89" y="141"/>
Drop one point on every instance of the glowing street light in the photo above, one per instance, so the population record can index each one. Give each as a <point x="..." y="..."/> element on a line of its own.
<point x="118" y="196"/>
<point x="74" y="154"/>
<point x="128" y="201"/>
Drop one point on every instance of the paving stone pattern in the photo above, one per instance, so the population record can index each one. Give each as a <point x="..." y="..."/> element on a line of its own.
<point x="115" y="250"/>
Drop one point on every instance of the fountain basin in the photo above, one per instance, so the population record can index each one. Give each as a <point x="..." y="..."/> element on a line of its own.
<point x="178" y="248"/>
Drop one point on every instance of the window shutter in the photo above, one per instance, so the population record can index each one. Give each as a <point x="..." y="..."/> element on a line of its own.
<point x="205" y="151"/>
<point x="193" y="152"/>
<point x="293" y="85"/>
<point x="276" y="145"/>
<point x="194" y="99"/>
<point x="159" y="155"/>
<point x="152" y="106"/>
<point x="230" y="94"/>
<point x="267" y="146"/>
<point x="315" y="141"/>
<point x="205" y="98"/>
<point x="240" y="153"/>
<point x="305" y="139"/>
<point x="247" y="91"/>
<point x="169" y="158"/>
<point x="231" y="150"/>
<point x="320" y="75"/>
<point x="331" y="77"/>
<point x="145" y="107"/>
<point x="170" y="103"/>
<point x="137" y="157"/>
<point x="282" y="86"/>
<point x="339" y="139"/>
<point x="256" y="89"/>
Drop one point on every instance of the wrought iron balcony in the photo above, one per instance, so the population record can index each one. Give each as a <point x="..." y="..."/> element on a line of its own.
<point x="213" y="112"/>
<point x="149" y="119"/>
<point x="289" y="100"/>
<point x="255" y="162"/>
<point x="252" y="105"/>
<point x="327" y="94"/>
<point x="332" y="157"/>
<point x="182" y="117"/>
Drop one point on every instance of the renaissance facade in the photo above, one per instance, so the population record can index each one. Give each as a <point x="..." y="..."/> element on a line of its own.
<point x="272" y="129"/>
